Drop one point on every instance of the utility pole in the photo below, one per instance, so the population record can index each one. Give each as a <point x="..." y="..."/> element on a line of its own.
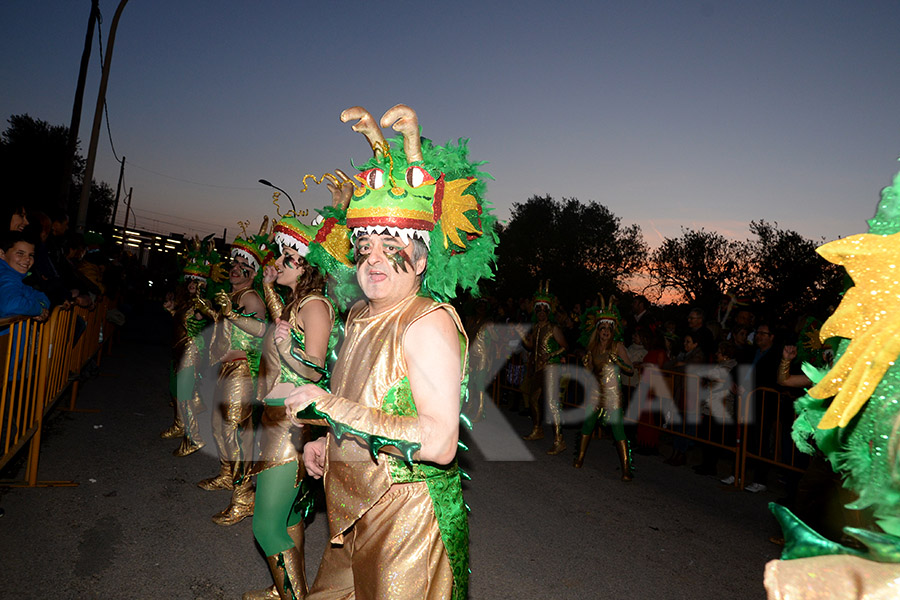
<point x="118" y="193"/>
<point x="76" y="107"/>
<point x="127" y="210"/>
<point x="98" y="117"/>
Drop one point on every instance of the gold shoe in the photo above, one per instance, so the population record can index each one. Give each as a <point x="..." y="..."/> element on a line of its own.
<point x="625" y="459"/>
<point x="187" y="447"/>
<point x="234" y="514"/>
<point x="174" y="431"/>
<point x="559" y="445"/>
<point x="270" y="593"/>
<point x="582" y="450"/>
<point x="536" y="434"/>
<point x="222" y="481"/>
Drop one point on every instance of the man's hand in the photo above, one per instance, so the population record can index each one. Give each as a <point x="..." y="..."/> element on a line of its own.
<point x="43" y="316"/>
<point x="300" y="398"/>
<point x="314" y="457"/>
<point x="789" y="353"/>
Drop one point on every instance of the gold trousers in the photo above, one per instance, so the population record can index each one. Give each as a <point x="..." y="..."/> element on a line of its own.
<point x="231" y="424"/>
<point x="393" y="552"/>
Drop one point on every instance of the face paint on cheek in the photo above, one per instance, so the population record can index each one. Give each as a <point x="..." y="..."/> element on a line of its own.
<point x="399" y="261"/>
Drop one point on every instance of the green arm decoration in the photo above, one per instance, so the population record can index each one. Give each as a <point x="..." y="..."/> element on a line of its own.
<point x="801" y="541"/>
<point x="377" y="429"/>
<point x="248" y="322"/>
<point x="292" y="354"/>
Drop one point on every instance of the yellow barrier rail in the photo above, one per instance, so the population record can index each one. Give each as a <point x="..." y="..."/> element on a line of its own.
<point x="39" y="361"/>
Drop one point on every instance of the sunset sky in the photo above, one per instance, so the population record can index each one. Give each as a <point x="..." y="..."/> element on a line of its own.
<point x="695" y="114"/>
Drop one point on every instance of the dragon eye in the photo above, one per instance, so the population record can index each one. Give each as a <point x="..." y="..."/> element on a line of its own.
<point x="374" y="178"/>
<point x="417" y="176"/>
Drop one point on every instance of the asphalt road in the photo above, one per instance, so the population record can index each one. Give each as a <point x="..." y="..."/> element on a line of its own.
<point x="136" y="526"/>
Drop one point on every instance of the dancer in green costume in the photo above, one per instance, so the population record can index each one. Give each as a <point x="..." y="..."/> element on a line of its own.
<point x="605" y="356"/>
<point x="237" y="340"/>
<point x="300" y="349"/>
<point x="202" y="264"/>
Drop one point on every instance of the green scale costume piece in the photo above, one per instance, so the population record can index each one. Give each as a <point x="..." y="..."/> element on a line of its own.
<point x="860" y="445"/>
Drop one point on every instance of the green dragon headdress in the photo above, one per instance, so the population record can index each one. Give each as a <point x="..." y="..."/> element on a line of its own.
<point x="433" y="193"/>
<point x="256" y="249"/>
<point x="203" y="262"/>
<point x="605" y="313"/>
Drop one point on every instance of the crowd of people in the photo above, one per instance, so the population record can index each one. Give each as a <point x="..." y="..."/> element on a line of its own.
<point x="734" y="350"/>
<point x="45" y="264"/>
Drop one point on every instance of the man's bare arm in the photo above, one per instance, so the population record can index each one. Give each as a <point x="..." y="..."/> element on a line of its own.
<point x="432" y="353"/>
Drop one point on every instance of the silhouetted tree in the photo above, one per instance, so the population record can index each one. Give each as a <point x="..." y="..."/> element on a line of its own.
<point x="701" y="266"/>
<point x="789" y="275"/>
<point x="582" y="248"/>
<point x="32" y="163"/>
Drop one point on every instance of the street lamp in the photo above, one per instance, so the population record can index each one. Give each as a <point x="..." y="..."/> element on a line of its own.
<point x="271" y="185"/>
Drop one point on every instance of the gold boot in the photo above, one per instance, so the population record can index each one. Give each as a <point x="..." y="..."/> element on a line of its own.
<point x="176" y="429"/>
<point x="537" y="430"/>
<point x="582" y="450"/>
<point x="241" y="506"/>
<point x="270" y="593"/>
<point x="290" y="580"/>
<point x="559" y="443"/>
<point x="625" y="459"/>
<point x="222" y="481"/>
<point x="187" y="447"/>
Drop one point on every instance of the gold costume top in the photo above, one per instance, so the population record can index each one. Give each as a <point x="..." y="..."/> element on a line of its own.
<point x="228" y="336"/>
<point x="370" y="365"/>
<point x="546" y="349"/>
<point x="605" y="367"/>
<point x="188" y="337"/>
<point x="279" y="441"/>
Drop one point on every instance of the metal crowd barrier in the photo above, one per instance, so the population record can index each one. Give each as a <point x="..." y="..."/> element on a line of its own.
<point x="40" y="360"/>
<point x="762" y="436"/>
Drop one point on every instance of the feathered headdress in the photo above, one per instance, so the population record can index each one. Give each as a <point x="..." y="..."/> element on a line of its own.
<point x="605" y="313"/>
<point x="433" y="193"/>
<point x="543" y="297"/>
<point x="203" y="262"/>
<point x="256" y="249"/>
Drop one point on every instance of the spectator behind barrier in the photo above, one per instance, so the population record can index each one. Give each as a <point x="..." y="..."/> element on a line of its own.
<point x="13" y="216"/>
<point x="16" y="298"/>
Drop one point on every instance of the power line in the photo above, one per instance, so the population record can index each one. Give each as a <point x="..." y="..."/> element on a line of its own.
<point x="211" y="185"/>
<point x="144" y="210"/>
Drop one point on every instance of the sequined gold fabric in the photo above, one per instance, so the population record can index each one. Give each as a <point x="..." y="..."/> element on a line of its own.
<point x="543" y="350"/>
<point x="279" y="441"/>
<point x="232" y="428"/>
<point x="227" y="336"/>
<point x="369" y="365"/>
<point x="395" y="549"/>
<point x="833" y="578"/>
<point x="604" y="367"/>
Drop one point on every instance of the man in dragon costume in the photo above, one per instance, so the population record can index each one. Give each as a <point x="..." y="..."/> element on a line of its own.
<point x="395" y="509"/>
<point x="852" y="414"/>
<point x="240" y="318"/>
<point x="202" y="263"/>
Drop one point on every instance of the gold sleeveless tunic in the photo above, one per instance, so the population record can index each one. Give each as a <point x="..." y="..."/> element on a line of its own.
<point x="371" y="362"/>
